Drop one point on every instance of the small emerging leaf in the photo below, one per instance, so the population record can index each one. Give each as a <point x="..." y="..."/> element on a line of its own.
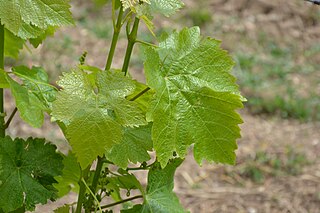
<point x="131" y="3"/>
<point x="166" y="7"/>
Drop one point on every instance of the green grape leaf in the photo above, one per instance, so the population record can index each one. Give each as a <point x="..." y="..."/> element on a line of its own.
<point x="70" y="176"/>
<point x="133" y="148"/>
<point x="12" y="44"/>
<point x="142" y="100"/>
<point x="94" y="109"/>
<point x="36" y="80"/>
<point x="166" y="7"/>
<point x="3" y="80"/>
<point x="126" y="181"/>
<point x="159" y="196"/>
<point x="35" y="96"/>
<point x="196" y="98"/>
<point x="27" y="171"/>
<point x="38" y="40"/>
<point x="131" y="3"/>
<point x="28" y="18"/>
<point x="30" y="107"/>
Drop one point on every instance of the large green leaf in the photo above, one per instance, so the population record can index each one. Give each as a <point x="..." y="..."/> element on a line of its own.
<point x="70" y="176"/>
<point x="27" y="171"/>
<point x="94" y="109"/>
<point x="195" y="100"/>
<point x="159" y="196"/>
<point x="133" y="148"/>
<point x="29" y="18"/>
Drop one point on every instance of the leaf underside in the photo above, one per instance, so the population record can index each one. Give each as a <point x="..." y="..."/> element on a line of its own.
<point x="27" y="171"/>
<point x="195" y="98"/>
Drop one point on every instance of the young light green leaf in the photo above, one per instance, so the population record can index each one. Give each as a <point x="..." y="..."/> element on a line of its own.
<point x="70" y="176"/>
<point x="30" y="107"/>
<point x="23" y="17"/>
<point x="131" y="3"/>
<point x="12" y="44"/>
<point x="166" y="7"/>
<point x="159" y="196"/>
<point x="195" y="100"/>
<point x="94" y="111"/>
<point x="27" y="171"/>
<point x="35" y="96"/>
<point x="36" y="80"/>
<point x="133" y="148"/>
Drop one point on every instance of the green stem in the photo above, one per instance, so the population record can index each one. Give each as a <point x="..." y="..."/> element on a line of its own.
<point x="131" y="41"/>
<point x="121" y="201"/>
<point x="115" y="37"/>
<point x="10" y="118"/>
<point x="95" y="180"/>
<point x="92" y="194"/>
<point x="146" y="43"/>
<point x="140" y="94"/>
<point x="82" y="191"/>
<point x="2" y="114"/>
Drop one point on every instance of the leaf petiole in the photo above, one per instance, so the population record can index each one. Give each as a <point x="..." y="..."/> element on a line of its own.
<point x="10" y="118"/>
<point x="146" y="43"/>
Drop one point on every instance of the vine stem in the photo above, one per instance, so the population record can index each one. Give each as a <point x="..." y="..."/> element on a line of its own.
<point x="95" y="180"/>
<point x="92" y="194"/>
<point x="121" y="201"/>
<point x="131" y="41"/>
<point x="115" y="37"/>
<point x="10" y="118"/>
<point x="2" y="114"/>
<point x="82" y="191"/>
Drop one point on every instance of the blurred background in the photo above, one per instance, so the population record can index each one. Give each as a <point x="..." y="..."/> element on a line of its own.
<point x="276" y="47"/>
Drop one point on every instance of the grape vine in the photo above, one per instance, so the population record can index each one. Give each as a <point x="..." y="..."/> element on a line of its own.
<point x="112" y="122"/>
